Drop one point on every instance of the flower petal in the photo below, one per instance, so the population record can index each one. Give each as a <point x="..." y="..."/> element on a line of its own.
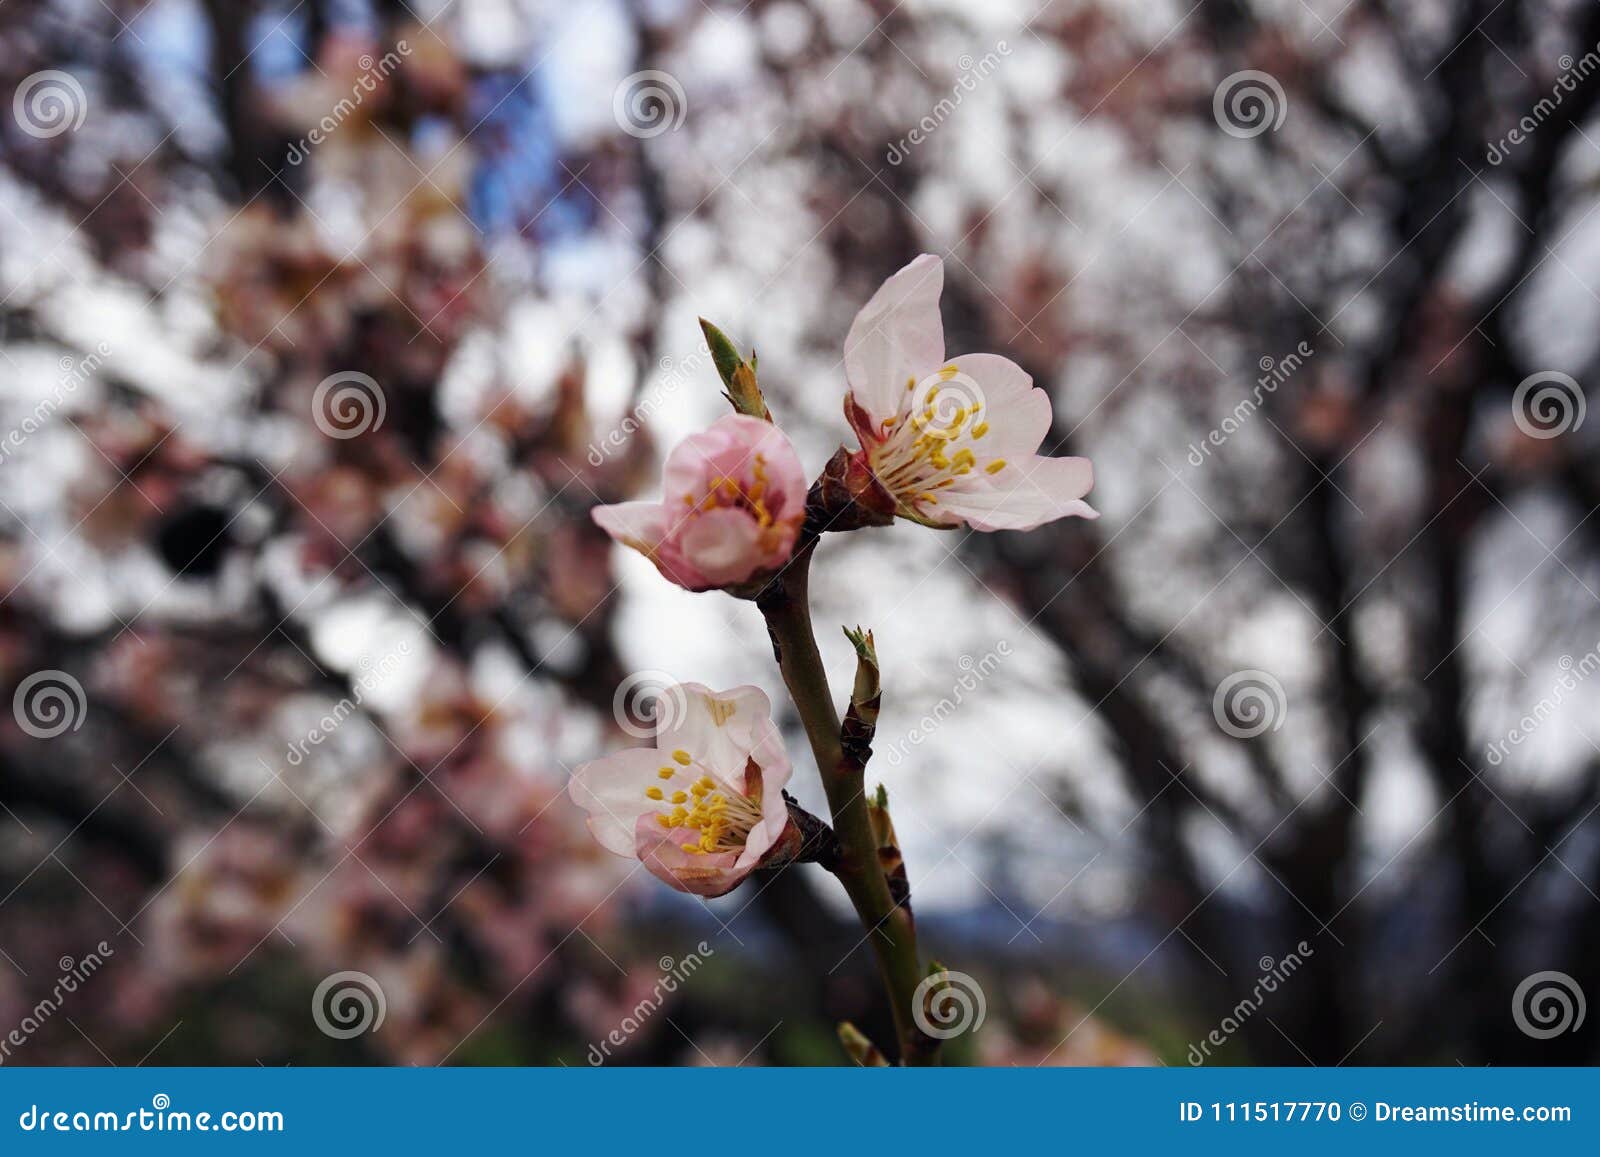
<point x="720" y="728"/>
<point x="897" y="336"/>
<point x="1027" y="494"/>
<point x="612" y="790"/>
<point x="1017" y="413"/>
<point x="708" y="875"/>
<point x="641" y="525"/>
<point x="773" y="763"/>
<point x="726" y="448"/>
<point x="723" y="546"/>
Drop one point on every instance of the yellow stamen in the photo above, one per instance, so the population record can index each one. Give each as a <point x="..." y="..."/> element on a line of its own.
<point x="996" y="466"/>
<point x="665" y="773"/>
<point x="654" y="793"/>
<point x="683" y="757"/>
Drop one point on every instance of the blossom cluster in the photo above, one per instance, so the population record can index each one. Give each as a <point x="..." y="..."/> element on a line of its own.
<point x="942" y="441"/>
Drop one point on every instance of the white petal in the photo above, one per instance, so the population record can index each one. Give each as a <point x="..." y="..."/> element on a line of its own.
<point x="612" y="791"/>
<point x="1017" y="413"/>
<point x="896" y="336"/>
<point x="719" y="728"/>
<point x="1024" y="495"/>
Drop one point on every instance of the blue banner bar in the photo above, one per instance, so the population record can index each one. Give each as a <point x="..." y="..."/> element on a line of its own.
<point x="772" y="1112"/>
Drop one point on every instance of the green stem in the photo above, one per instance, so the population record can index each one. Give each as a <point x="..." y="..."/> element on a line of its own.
<point x="787" y="607"/>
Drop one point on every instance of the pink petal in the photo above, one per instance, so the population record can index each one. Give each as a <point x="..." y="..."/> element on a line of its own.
<point x="641" y="525"/>
<point x="1024" y="495"/>
<point x="786" y="478"/>
<point x="649" y="528"/>
<point x="612" y="790"/>
<point x="728" y="447"/>
<point x="662" y="852"/>
<point x="723" y="545"/>
<point x="897" y="336"/>
<point x="775" y="772"/>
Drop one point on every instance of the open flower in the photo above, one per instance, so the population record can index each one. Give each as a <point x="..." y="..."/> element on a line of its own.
<point x="732" y="504"/>
<point x="951" y="441"/>
<point x="704" y="806"/>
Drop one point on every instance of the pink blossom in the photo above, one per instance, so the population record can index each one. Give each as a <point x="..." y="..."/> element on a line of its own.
<point x="733" y="499"/>
<point x="952" y="441"/>
<point x="704" y="805"/>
